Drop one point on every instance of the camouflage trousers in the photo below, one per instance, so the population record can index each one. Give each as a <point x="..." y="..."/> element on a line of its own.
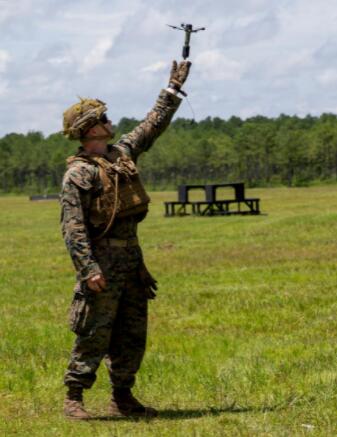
<point x="110" y="325"/>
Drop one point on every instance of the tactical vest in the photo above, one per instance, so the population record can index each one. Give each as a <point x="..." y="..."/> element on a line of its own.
<point x="122" y="194"/>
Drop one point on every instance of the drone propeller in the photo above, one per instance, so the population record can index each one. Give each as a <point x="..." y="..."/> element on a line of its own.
<point x="174" y="27"/>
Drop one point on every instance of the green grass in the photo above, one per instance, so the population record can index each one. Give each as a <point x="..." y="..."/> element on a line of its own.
<point x="242" y="335"/>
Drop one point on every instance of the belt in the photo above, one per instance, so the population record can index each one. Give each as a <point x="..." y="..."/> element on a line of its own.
<point x="116" y="242"/>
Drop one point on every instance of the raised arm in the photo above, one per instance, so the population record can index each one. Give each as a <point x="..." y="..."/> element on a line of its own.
<point x="143" y="136"/>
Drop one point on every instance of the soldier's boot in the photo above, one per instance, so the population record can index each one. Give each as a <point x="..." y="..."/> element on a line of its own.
<point x="124" y="404"/>
<point x="73" y="405"/>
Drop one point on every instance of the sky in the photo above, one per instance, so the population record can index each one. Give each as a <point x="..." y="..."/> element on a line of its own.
<point x="262" y="57"/>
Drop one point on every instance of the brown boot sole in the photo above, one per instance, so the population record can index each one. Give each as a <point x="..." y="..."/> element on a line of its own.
<point x="77" y="418"/>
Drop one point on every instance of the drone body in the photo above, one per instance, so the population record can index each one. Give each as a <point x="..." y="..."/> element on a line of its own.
<point x="188" y="29"/>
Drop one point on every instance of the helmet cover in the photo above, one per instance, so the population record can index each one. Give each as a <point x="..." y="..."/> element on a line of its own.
<point x="81" y="116"/>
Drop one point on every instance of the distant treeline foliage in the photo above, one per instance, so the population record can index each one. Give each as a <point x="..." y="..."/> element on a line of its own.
<point x="260" y="151"/>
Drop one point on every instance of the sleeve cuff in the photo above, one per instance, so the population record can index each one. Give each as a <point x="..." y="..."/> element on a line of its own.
<point x="171" y="90"/>
<point x="173" y="98"/>
<point x="89" y="271"/>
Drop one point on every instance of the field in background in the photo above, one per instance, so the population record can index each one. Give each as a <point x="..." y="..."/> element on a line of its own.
<point x="242" y="336"/>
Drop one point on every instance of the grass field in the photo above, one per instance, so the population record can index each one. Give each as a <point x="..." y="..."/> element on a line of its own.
<point x="242" y="336"/>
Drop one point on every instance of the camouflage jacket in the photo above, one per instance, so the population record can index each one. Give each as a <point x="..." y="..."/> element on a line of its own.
<point x="81" y="183"/>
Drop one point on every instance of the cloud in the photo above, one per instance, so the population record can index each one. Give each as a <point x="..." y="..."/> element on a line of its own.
<point x="328" y="77"/>
<point x="251" y="29"/>
<point x="154" y="68"/>
<point x="215" y="66"/>
<point x="97" y="55"/>
<point x="250" y="111"/>
<point x="266" y="56"/>
<point x="4" y="59"/>
<point x="3" y="88"/>
<point x="55" y="55"/>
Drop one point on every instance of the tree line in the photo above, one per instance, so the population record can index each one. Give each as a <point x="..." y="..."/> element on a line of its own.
<point x="261" y="151"/>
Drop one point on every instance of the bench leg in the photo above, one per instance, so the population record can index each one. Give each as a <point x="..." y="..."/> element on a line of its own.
<point x="253" y="205"/>
<point x="182" y="210"/>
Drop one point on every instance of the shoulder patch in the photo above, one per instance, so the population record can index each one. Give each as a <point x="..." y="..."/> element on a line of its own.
<point x="82" y="174"/>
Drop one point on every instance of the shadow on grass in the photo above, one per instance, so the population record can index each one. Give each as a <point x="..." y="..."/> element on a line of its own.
<point x="213" y="411"/>
<point x="113" y="419"/>
<point x="176" y="414"/>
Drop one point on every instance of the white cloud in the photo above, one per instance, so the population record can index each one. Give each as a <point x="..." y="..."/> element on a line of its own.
<point x="215" y="66"/>
<point x="328" y="77"/>
<point x="13" y="8"/>
<point x="250" y="111"/>
<point x="154" y="68"/>
<point x="4" y="59"/>
<point x="60" y="60"/>
<point x="3" y="88"/>
<point x="256" y="56"/>
<point x="97" y="55"/>
<point x="294" y="62"/>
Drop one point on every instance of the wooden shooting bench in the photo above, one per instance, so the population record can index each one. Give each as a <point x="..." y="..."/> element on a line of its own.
<point x="211" y="205"/>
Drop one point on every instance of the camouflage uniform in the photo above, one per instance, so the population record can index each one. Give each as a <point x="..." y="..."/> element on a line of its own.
<point x="111" y="324"/>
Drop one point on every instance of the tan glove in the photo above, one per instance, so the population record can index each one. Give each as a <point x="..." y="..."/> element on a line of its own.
<point x="179" y="74"/>
<point x="148" y="281"/>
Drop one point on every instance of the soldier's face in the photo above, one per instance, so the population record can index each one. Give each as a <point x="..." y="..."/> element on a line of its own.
<point x="108" y="127"/>
<point x="99" y="135"/>
<point x="101" y="130"/>
<point x="106" y="124"/>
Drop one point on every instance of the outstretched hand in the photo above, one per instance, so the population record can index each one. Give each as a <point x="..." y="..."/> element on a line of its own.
<point x="179" y="73"/>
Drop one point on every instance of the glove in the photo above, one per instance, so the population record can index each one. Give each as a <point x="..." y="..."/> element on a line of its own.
<point x="179" y="73"/>
<point x="149" y="283"/>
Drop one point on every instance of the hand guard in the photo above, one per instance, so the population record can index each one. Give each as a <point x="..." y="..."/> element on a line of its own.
<point x="179" y="74"/>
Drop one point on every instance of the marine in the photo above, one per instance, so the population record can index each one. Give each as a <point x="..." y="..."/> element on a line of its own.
<point x="102" y="201"/>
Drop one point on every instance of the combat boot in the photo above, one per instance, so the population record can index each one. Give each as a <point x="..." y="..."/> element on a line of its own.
<point x="124" y="404"/>
<point x="73" y="405"/>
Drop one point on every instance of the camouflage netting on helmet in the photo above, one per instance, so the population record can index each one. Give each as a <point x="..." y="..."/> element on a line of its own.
<point x="81" y="117"/>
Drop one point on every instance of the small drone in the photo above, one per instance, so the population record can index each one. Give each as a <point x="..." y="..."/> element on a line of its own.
<point x="188" y="29"/>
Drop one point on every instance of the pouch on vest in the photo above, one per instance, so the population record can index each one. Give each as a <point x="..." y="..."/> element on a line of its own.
<point x="123" y="191"/>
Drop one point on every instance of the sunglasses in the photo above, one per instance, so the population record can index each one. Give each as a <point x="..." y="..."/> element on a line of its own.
<point x="104" y="119"/>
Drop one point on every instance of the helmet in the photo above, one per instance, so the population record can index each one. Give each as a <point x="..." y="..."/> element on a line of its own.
<point x="80" y="117"/>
